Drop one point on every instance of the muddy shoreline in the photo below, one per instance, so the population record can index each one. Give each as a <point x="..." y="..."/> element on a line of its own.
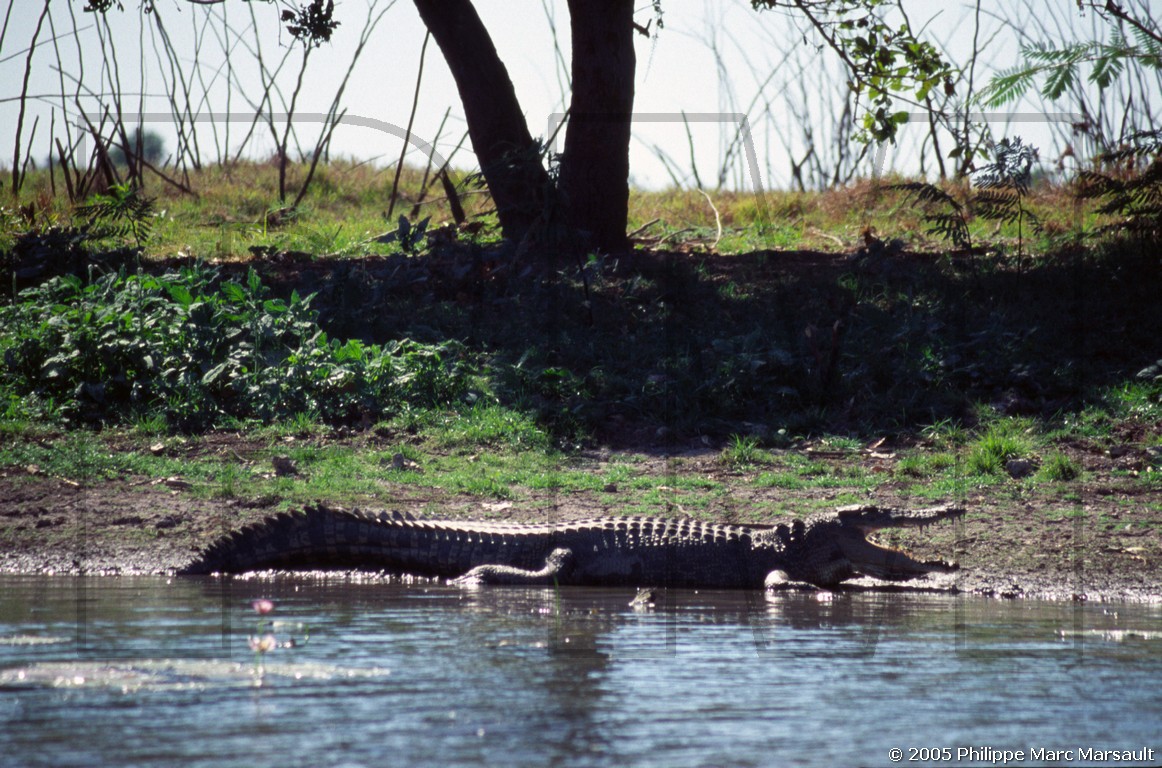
<point x="128" y="527"/>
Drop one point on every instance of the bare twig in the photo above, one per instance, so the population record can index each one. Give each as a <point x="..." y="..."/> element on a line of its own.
<point x="283" y="155"/>
<point x="643" y="228"/>
<point x="717" y="220"/>
<point x="428" y="166"/>
<point x="1118" y="12"/>
<point x="690" y="145"/>
<point x="408" y="134"/>
<point x="17" y="175"/>
<point x="334" y="116"/>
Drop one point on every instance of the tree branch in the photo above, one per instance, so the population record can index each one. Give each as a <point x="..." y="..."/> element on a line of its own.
<point x="1117" y="12"/>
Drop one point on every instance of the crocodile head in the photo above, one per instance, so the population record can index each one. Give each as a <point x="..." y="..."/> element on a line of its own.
<point x="870" y="559"/>
<point x="829" y="549"/>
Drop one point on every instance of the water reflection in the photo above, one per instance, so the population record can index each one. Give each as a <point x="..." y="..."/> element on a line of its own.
<point x="140" y="671"/>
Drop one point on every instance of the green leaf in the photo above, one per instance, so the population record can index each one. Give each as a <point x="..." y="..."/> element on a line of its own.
<point x="212" y="375"/>
<point x="1107" y="69"/>
<point x="234" y="292"/>
<point x="181" y="295"/>
<point x="1060" y="78"/>
<point x="1009" y="85"/>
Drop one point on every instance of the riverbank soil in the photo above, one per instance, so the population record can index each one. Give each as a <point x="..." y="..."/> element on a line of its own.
<point x="1097" y="540"/>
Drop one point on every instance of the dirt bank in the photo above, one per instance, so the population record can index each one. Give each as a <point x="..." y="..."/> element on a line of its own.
<point x="1100" y="540"/>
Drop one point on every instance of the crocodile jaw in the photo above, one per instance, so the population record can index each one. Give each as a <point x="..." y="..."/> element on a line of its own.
<point x="870" y="559"/>
<point x="869" y="518"/>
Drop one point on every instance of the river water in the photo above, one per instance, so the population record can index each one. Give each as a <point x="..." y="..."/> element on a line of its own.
<point x="160" y="672"/>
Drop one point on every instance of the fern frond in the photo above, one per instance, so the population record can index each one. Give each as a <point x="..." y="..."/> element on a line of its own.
<point x="1138" y="144"/>
<point x="951" y="227"/>
<point x="998" y="205"/>
<point x="927" y="193"/>
<point x="1108" y="66"/>
<point x="1146" y="43"/>
<point x="1060" y="78"/>
<point x="1033" y="221"/>
<point x="1091" y="184"/>
<point x="1009" y="85"/>
<point x="1070" y="54"/>
<point x="122" y="211"/>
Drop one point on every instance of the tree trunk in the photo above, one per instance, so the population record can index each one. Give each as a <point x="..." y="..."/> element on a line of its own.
<point x="509" y="158"/>
<point x="594" y="180"/>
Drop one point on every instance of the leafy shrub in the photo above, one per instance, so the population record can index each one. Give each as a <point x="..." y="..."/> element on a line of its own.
<point x="1130" y="187"/>
<point x="1002" y="187"/>
<point x="205" y="352"/>
<point x="409" y="236"/>
<point x="950" y="223"/>
<point x="119" y="213"/>
<point x="1004" y="184"/>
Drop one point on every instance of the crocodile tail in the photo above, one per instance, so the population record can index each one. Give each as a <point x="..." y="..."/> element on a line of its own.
<point x="316" y="536"/>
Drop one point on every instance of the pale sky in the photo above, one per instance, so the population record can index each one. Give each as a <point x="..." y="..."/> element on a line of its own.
<point x="713" y="58"/>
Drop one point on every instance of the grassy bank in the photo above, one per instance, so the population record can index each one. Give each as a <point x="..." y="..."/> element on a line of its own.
<point x="755" y="327"/>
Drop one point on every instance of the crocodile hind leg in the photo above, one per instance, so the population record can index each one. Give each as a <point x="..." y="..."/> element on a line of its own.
<point x="557" y="564"/>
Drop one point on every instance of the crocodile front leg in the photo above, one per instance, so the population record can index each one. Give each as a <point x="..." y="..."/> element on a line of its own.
<point x="780" y="581"/>
<point x="557" y="564"/>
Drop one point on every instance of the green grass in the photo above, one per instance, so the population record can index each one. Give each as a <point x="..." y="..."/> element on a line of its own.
<point x="488" y="425"/>
<point x="1001" y="442"/>
<point x="762" y="341"/>
<point x="238" y="210"/>
<point x="1060" y="468"/>
<point x="82" y="457"/>
<point x="797" y="472"/>
<point x="924" y="465"/>
<point x="362" y="470"/>
<point x="743" y="452"/>
<point x="325" y="470"/>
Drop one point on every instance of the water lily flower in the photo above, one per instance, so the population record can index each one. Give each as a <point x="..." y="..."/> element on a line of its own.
<point x="263" y="644"/>
<point x="262" y="607"/>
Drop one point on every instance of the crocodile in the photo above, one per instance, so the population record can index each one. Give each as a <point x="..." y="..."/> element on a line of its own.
<point x="822" y="550"/>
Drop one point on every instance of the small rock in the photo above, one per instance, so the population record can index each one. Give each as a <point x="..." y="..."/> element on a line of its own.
<point x="1012" y="592"/>
<point x="401" y="462"/>
<point x="1018" y="468"/>
<point x="284" y="466"/>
